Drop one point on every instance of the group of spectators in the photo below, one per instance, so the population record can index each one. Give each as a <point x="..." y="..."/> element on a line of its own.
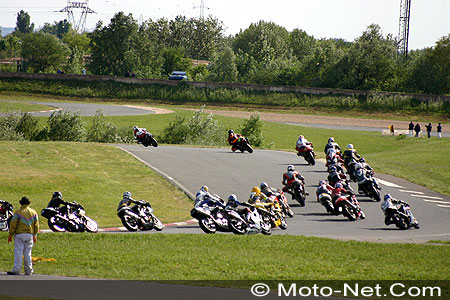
<point x="416" y="129"/>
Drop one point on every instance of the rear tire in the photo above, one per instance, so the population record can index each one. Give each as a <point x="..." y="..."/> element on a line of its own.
<point x="289" y="212"/>
<point x="129" y="222"/>
<point x="237" y="226"/>
<point x="309" y="157"/>
<point x="54" y="226"/>
<point x="299" y="197"/>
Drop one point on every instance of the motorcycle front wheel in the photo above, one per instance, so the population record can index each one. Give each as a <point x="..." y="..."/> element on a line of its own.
<point x="309" y="157"/>
<point x="157" y="224"/>
<point x="55" y="225"/>
<point x="91" y="225"/>
<point x="349" y="212"/>
<point x="207" y="225"/>
<point x="129" y="222"/>
<point x="299" y="197"/>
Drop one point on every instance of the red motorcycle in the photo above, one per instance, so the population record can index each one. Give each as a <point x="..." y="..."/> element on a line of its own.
<point x="348" y="206"/>
<point x="285" y="208"/>
<point x="308" y="154"/>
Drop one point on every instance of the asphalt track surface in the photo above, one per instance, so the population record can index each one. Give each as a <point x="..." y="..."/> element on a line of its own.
<point x="225" y="173"/>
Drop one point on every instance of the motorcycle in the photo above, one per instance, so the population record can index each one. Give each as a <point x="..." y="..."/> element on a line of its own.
<point x="247" y="220"/>
<point x="297" y="190"/>
<point x="75" y="220"/>
<point x="210" y="218"/>
<point x="139" y="216"/>
<point x="371" y="189"/>
<point x="286" y="209"/>
<point x="271" y="213"/>
<point x="403" y="218"/>
<point x="325" y="200"/>
<point x="244" y="145"/>
<point x="308" y="154"/>
<point x="348" y="206"/>
<point x="148" y="140"/>
<point x="6" y="214"/>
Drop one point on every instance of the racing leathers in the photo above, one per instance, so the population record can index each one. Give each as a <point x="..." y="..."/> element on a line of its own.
<point x="233" y="140"/>
<point x="289" y="178"/>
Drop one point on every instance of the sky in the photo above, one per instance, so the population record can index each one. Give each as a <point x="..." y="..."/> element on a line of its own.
<point x="345" y="19"/>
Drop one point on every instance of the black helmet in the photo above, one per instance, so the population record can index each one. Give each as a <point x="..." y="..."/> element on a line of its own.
<point x="230" y="131"/>
<point x="232" y="200"/>
<point x="57" y="195"/>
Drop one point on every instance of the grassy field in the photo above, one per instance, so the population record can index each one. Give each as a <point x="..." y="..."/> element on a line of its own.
<point x="95" y="175"/>
<point x="218" y="257"/>
<point x="6" y="107"/>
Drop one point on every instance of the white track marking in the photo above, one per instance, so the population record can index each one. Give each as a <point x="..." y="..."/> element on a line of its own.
<point x="413" y="192"/>
<point x="428" y="197"/>
<point x="448" y="206"/>
<point x="387" y="183"/>
<point x="435" y="201"/>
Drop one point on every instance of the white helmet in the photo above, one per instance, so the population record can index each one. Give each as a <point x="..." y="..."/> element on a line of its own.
<point x="290" y="168"/>
<point x="127" y="195"/>
<point x="204" y="188"/>
<point x="331" y="140"/>
<point x="350" y="146"/>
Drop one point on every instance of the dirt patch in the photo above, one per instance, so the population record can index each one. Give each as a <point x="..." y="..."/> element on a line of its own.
<point x="154" y="109"/>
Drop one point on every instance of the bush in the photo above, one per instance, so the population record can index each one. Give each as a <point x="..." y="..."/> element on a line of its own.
<point x="8" y="127"/>
<point x="65" y="126"/>
<point x="251" y="128"/>
<point x="102" y="130"/>
<point x="27" y="126"/>
<point x="197" y="130"/>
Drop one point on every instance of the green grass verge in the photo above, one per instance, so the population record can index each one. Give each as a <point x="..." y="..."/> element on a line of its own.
<point x="6" y="107"/>
<point x="218" y="257"/>
<point x="95" y="175"/>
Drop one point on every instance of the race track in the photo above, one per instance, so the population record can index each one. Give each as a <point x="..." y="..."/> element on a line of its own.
<point x="226" y="172"/>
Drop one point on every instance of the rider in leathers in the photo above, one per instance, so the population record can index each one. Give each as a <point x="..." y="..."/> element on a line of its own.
<point x="233" y="139"/>
<point x="332" y="145"/>
<point x="57" y="201"/>
<point x="389" y="208"/>
<point x="289" y="178"/>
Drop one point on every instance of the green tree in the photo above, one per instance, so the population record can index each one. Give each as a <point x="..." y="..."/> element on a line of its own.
<point x="78" y="45"/>
<point x="58" y="28"/>
<point x="23" y="23"/>
<point x="44" y="52"/>
<point x="301" y="43"/>
<point x="113" y="46"/>
<point x="174" y="60"/>
<point x="370" y="62"/>
<point x="224" y="67"/>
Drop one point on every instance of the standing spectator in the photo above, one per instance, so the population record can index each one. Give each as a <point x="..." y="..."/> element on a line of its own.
<point x="429" y="127"/>
<point x="411" y="128"/>
<point x="24" y="227"/>
<point x="439" y="130"/>
<point x="417" y="129"/>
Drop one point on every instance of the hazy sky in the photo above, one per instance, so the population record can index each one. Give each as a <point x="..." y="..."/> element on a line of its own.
<point x="347" y="19"/>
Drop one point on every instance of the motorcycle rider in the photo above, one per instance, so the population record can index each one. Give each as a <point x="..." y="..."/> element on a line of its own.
<point x="256" y="195"/>
<point x="139" y="134"/>
<point x="204" y="194"/>
<point x="366" y="166"/>
<point x="335" y="176"/>
<point x="233" y="139"/>
<point x="289" y="178"/>
<point x="332" y="145"/>
<point x="301" y="144"/>
<point x="126" y="201"/>
<point x="323" y="188"/>
<point x="389" y="208"/>
<point x="56" y="201"/>
<point x="268" y="191"/>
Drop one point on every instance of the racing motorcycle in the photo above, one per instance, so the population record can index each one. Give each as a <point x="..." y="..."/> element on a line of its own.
<point x="148" y="140"/>
<point x="348" y="206"/>
<point x="403" y="217"/>
<point x="6" y="214"/>
<point x="247" y="220"/>
<point x="139" y="216"/>
<point x="271" y="213"/>
<point x="371" y="189"/>
<point x="282" y="200"/>
<point x="243" y="144"/>
<point x="75" y="220"/>
<point x="211" y="217"/>
<point x="325" y="200"/>
<point x="297" y="190"/>
<point x="308" y="154"/>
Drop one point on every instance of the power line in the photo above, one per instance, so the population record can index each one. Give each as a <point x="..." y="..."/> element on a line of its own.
<point x="403" y="27"/>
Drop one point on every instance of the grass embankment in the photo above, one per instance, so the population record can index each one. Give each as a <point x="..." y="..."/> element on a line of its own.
<point x="220" y="257"/>
<point x="6" y="107"/>
<point x="95" y="175"/>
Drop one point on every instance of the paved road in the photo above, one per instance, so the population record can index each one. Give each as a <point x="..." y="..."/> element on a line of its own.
<point x="90" y="109"/>
<point x="226" y="172"/>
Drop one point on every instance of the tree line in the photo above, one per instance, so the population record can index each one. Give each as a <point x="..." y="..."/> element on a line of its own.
<point x="263" y="53"/>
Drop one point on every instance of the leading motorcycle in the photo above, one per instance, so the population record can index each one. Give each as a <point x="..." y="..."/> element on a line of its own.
<point x="403" y="218"/>
<point x="139" y="216"/>
<point x="75" y="220"/>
